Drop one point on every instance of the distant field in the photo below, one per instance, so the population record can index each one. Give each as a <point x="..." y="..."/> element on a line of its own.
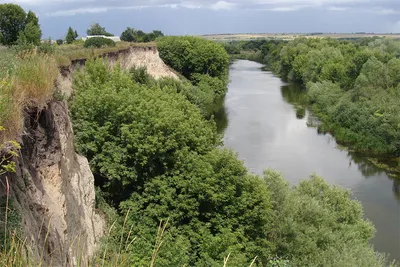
<point x="291" y="36"/>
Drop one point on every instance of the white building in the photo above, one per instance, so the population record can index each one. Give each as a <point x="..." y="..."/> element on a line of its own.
<point x="114" y="38"/>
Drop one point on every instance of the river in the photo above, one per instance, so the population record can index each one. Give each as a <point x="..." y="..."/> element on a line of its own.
<point x="261" y="124"/>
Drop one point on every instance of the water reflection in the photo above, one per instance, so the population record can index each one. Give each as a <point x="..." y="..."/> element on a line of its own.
<point x="295" y="95"/>
<point x="221" y="118"/>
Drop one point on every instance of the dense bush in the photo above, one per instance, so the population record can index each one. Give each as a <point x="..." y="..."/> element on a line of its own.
<point x="141" y="143"/>
<point x="204" y="63"/>
<point x="157" y="159"/>
<point x="319" y="225"/>
<point x="138" y="36"/>
<point x="97" y="42"/>
<point x="193" y="55"/>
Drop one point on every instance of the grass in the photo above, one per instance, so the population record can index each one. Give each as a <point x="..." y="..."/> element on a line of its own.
<point x="66" y="53"/>
<point x="28" y="82"/>
<point x="27" y="79"/>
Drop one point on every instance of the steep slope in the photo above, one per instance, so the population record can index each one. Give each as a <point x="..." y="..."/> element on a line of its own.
<point x="53" y="187"/>
<point x="133" y="57"/>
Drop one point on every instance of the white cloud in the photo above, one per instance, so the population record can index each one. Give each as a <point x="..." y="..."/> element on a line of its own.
<point x="72" y="12"/>
<point x="222" y="5"/>
<point x="338" y="8"/>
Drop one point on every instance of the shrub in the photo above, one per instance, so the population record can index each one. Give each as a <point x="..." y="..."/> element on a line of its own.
<point x="140" y="75"/>
<point x="98" y="42"/>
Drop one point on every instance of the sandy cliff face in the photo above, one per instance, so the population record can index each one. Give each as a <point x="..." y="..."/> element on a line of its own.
<point x="54" y="190"/>
<point x="128" y="58"/>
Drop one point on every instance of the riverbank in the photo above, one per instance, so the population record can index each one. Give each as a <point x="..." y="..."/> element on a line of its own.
<point x="336" y="110"/>
<point x="262" y="126"/>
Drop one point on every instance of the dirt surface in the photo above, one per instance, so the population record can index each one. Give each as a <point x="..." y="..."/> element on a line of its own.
<point x="53" y="190"/>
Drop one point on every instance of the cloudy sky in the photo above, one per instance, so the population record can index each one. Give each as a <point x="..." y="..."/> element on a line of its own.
<point x="177" y="17"/>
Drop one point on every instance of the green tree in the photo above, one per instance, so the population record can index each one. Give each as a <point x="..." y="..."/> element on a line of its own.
<point x="315" y="224"/>
<point x="71" y="36"/>
<point x="30" y="35"/>
<point x="190" y="55"/>
<point x="12" y="22"/>
<point x="213" y="203"/>
<point x="140" y="36"/>
<point x="32" y="18"/>
<point x="96" y="29"/>
<point x="128" y="35"/>
<point x="158" y="33"/>
<point x="146" y="129"/>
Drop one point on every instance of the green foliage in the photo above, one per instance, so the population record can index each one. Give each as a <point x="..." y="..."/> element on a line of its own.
<point x="59" y="41"/>
<point x="204" y="63"/>
<point x="214" y="208"/>
<point x="315" y="224"/>
<point x="140" y="143"/>
<point x="32" y="18"/>
<point x="12" y="22"/>
<point x="128" y="35"/>
<point x="140" y="75"/>
<point x="132" y="35"/>
<point x="190" y="55"/>
<point x="30" y="35"/>
<point x="352" y="86"/>
<point x="98" y="42"/>
<point x="155" y="158"/>
<point x="71" y="36"/>
<point x="96" y="29"/>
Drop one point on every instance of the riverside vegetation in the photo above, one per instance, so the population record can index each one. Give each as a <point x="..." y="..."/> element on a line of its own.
<point x="351" y="85"/>
<point x="156" y="157"/>
<point x="172" y="195"/>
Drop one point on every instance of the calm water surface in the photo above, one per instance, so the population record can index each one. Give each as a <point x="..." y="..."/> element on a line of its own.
<point x="260" y="123"/>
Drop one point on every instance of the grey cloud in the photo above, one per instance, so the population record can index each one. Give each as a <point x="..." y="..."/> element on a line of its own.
<point x="76" y="7"/>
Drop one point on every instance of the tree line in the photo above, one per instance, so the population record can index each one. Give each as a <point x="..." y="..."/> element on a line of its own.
<point x="352" y="85"/>
<point x="128" y="35"/>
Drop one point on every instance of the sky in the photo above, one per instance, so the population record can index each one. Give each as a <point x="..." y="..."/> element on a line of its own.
<point x="182" y="17"/>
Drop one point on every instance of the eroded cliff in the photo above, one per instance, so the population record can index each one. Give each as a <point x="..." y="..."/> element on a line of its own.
<point x="53" y="187"/>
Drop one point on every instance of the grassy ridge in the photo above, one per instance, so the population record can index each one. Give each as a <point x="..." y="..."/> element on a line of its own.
<point x="27" y="77"/>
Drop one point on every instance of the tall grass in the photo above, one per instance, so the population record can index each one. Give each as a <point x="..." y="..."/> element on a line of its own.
<point x="33" y="81"/>
<point x="64" y="54"/>
<point x="27" y="83"/>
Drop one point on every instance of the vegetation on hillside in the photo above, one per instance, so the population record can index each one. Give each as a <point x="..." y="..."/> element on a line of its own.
<point x="159" y="166"/>
<point x="156" y="159"/>
<point x="204" y="63"/>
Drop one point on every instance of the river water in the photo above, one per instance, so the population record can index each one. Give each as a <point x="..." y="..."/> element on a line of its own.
<point x="261" y="124"/>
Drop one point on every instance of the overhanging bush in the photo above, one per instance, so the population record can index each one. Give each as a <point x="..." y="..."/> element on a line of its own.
<point x="98" y="42"/>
